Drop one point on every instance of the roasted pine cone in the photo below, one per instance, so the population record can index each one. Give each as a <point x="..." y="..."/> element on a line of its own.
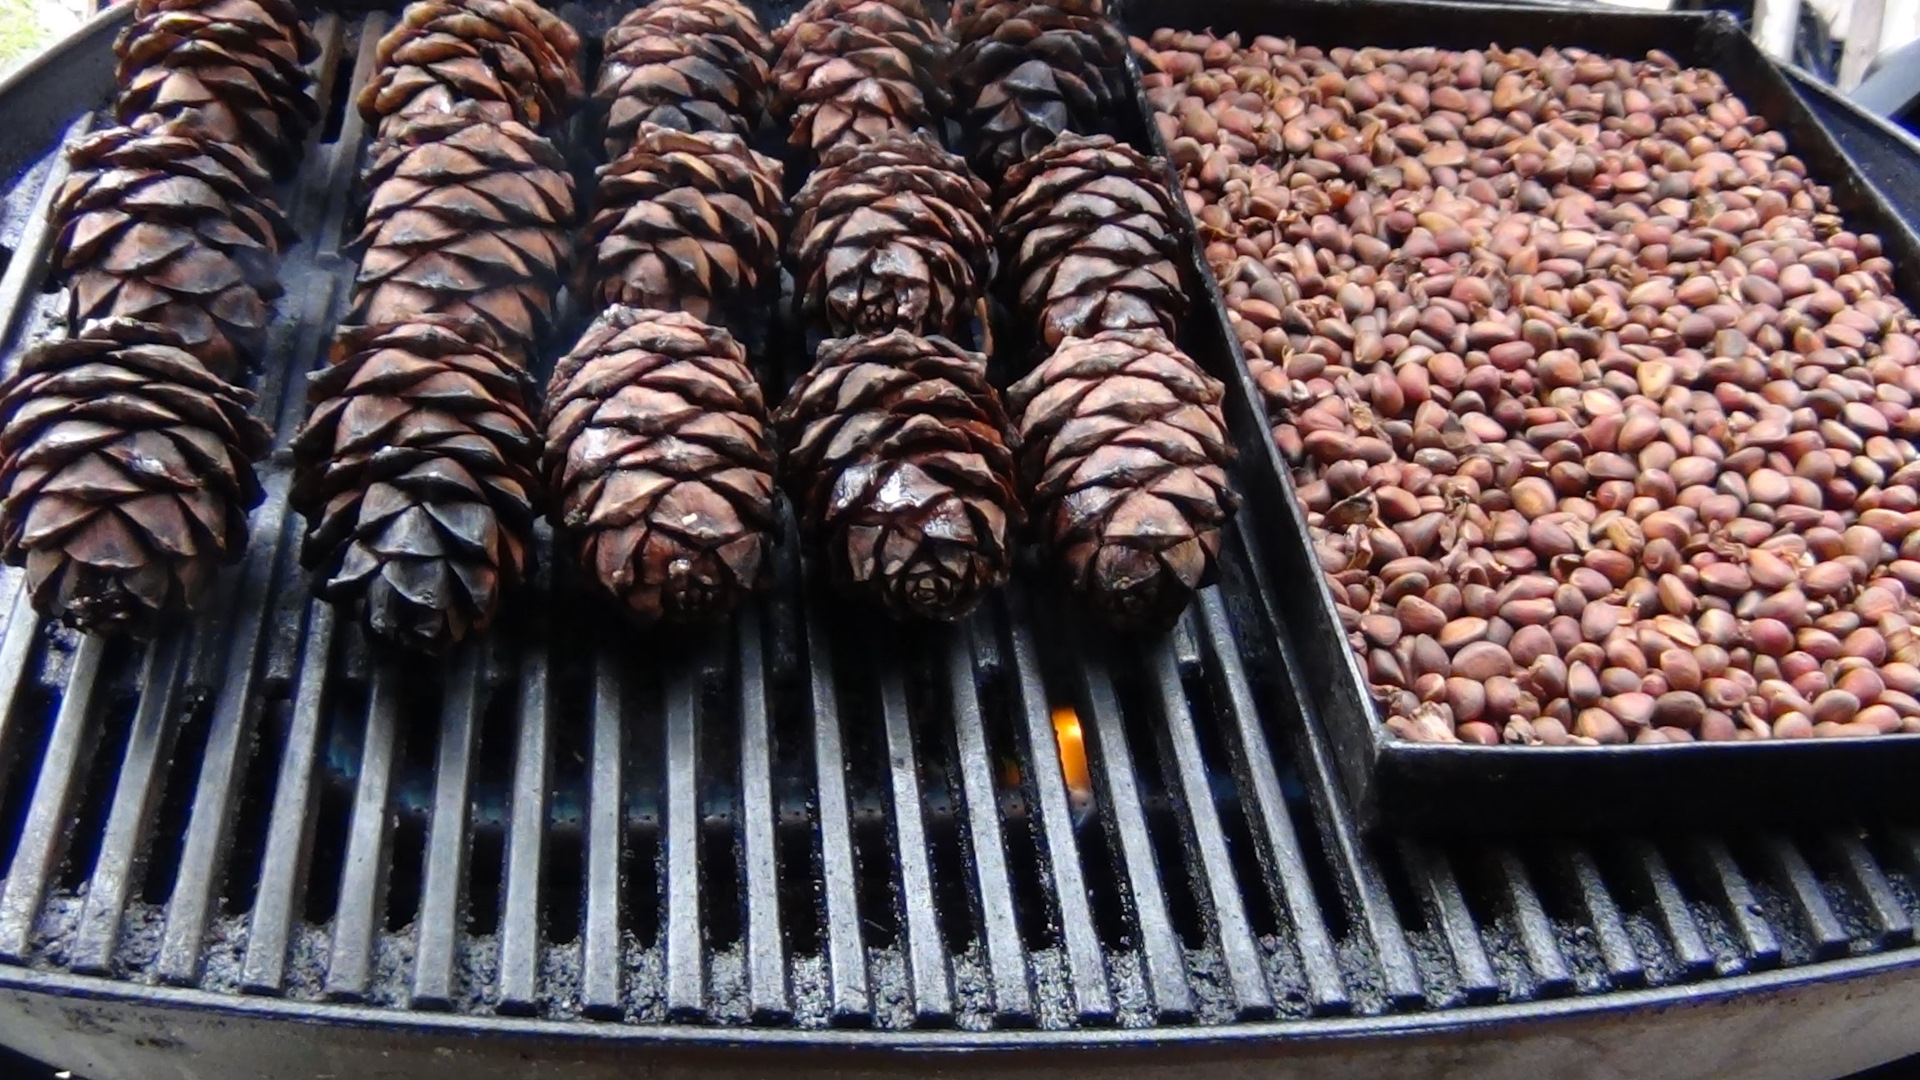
<point x="466" y="216"/>
<point x="173" y="228"/>
<point x="897" y="460"/>
<point x="855" y="70"/>
<point x="1088" y="240"/>
<point x="232" y="69"/>
<point x="658" y="458"/>
<point x="1123" y="462"/>
<point x="694" y="65"/>
<point x="689" y="222"/>
<point x="127" y="471"/>
<point x="891" y="235"/>
<point x="513" y="58"/>
<point x="1029" y="70"/>
<point x="416" y="474"/>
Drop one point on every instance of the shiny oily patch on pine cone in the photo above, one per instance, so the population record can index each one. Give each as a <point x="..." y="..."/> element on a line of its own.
<point x="1123" y="462"/>
<point x="660" y="464"/>
<point x="896" y="454"/>
<point x="466" y="216"/>
<point x="416" y="473"/>
<point x="689" y="222"/>
<point x="891" y="235"/>
<point x="1027" y="71"/>
<point x="1088" y="240"/>
<point x="856" y="70"/>
<point x="127" y="471"/>
<point x="170" y="227"/>
<point x="691" y="65"/>
<point x="512" y="59"/>
<point x="234" y="70"/>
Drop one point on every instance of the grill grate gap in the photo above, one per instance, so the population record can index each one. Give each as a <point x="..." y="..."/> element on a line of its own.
<point x="411" y="797"/>
<point x="1187" y="902"/>
<point x="1407" y="906"/>
<point x="802" y="906"/>
<point x="253" y="815"/>
<point x="487" y="807"/>
<point x="29" y="724"/>
<point x="1263" y="906"/>
<point x="869" y="798"/>
<point x="642" y="895"/>
<point x="939" y="772"/>
<point x="722" y="902"/>
<point x="340" y="99"/>
<point x="1033" y="904"/>
<point x="337" y="767"/>
<point x="94" y="796"/>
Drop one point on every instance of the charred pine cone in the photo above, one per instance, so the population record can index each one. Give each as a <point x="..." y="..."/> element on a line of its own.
<point x="1123" y="463"/>
<point x="174" y="228"/>
<point x="855" y="70"/>
<point x="689" y="222"/>
<point x="897" y="459"/>
<point x="891" y="235"/>
<point x="466" y="216"/>
<point x="513" y="58"/>
<point x="416" y="473"/>
<point x="693" y="65"/>
<point x="234" y="70"/>
<point x="660" y="465"/>
<point x="1029" y="70"/>
<point x="1088" y="240"/>
<point x="127" y="471"/>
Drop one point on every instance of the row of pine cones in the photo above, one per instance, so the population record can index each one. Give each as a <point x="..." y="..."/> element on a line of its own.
<point x="126" y="445"/>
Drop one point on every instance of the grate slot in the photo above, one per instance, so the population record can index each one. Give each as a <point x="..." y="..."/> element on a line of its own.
<point x="1808" y="898"/>
<point x="38" y="850"/>
<point x="520" y="911"/>
<point x="343" y="155"/>
<point x="601" y="947"/>
<point x="686" y="974"/>
<point x="29" y="261"/>
<point x="1245" y="968"/>
<point x="1432" y="876"/>
<point x="439" y="922"/>
<point x="284" y="864"/>
<point x="926" y="961"/>
<point x="1536" y="930"/>
<point x="846" y="955"/>
<point x="1126" y="819"/>
<point x="1279" y="845"/>
<point x="999" y="922"/>
<point x="1763" y="949"/>
<point x="1086" y="967"/>
<point x="1624" y="969"/>
<point x="1893" y="927"/>
<point x="766" y="952"/>
<point x="229" y="740"/>
<point x="363" y="874"/>
<point x="135" y="797"/>
<point x="1683" y="931"/>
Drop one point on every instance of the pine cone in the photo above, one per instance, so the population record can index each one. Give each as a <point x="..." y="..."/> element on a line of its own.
<point x="466" y="216"/>
<point x="1029" y="70"/>
<point x="1123" y="461"/>
<point x="173" y="228"/>
<point x="232" y="69"/>
<point x="1088" y="240"/>
<point x="689" y="222"/>
<point x="416" y="473"/>
<point x="127" y="471"/>
<point x="513" y="58"/>
<point x="855" y="70"/>
<point x="658" y="457"/>
<point x="891" y="235"/>
<point x="897" y="460"/>
<point x="694" y="65"/>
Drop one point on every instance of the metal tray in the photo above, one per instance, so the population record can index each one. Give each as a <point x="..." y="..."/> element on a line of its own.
<point x="1422" y="787"/>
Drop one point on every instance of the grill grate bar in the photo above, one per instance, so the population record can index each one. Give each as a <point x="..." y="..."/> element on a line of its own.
<point x="766" y="952"/>
<point x="686" y="978"/>
<point x="330" y="31"/>
<point x="846" y="955"/>
<point x="600" y="944"/>
<point x="520" y="909"/>
<point x="1245" y="968"/>
<point x="1433" y="876"/>
<point x="29" y="258"/>
<point x="1891" y="922"/>
<point x="340" y="174"/>
<point x="1536" y="931"/>
<point x="926" y="961"/>
<point x="1809" y="899"/>
<point x="363" y="877"/>
<point x="136" y="793"/>
<point x="1624" y="969"/>
<point x="1006" y="962"/>
<point x="439" y="922"/>
<point x="1763" y="949"/>
<point x="1047" y="796"/>
<point x="1159" y="948"/>
<point x="1280" y="854"/>
<point x="16" y="648"/>
<point x="283" y="865"/>
<point x="44" y="831"/>
<point x="1683" y="931"/>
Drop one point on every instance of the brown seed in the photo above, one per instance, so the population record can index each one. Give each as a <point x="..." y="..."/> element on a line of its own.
<point x="1679" y="708"/>
<point x="1600" y="726"/>
<point x="1482" y="660"/>
<point x="1462" y="631"/>
<point x="1835" y="706"/>
<point x="1417" y="616"/>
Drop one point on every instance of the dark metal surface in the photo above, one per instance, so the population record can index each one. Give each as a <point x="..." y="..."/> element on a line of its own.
<point x="819" y="845"/>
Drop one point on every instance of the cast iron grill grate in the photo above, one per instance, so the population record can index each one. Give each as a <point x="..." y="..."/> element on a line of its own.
<point x="800" y="821"/>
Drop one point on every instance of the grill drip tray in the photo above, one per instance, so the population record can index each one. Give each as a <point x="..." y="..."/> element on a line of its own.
<point x="253" y="850"/>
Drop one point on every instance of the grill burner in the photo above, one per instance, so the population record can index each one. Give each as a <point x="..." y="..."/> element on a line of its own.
<point x="799" y="823"/>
